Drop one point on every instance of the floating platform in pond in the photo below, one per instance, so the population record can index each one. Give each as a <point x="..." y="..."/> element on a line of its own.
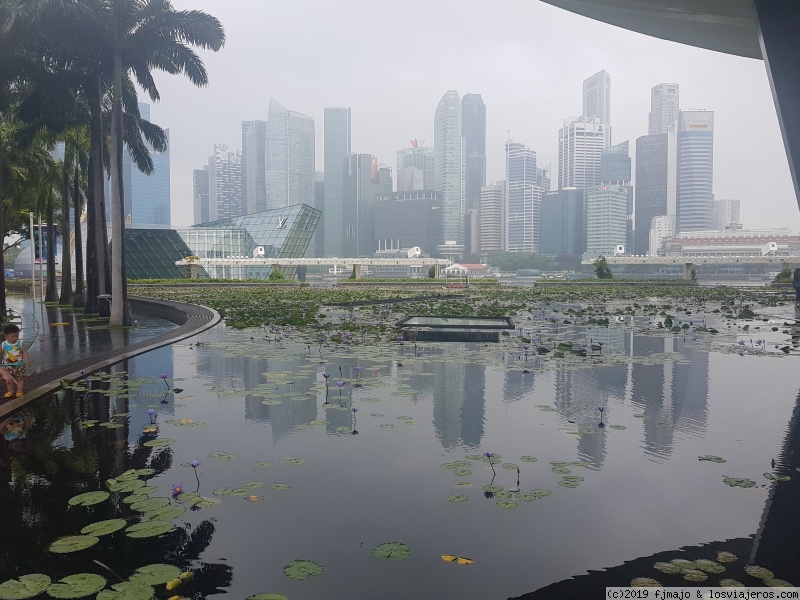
<point x="434" y="328"/>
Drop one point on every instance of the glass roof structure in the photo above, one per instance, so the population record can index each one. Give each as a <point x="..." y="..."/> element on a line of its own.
<point x="151" y="254"/>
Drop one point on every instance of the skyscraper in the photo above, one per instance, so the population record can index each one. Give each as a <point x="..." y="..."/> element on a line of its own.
<point x="448" y="145"/>
<point x="254" y="175"/>
<point x="473" y="128"/>
<point x="695" y="175"/>
<point x="415" y="168"/>
<point x="225" y="184"/>
<point x="652" y="186"/>
<point x="664" y="107"/>
<point x="363" y="181"/>
<point x="563" y="219"/>
<point x="200" y="196"/>
<point x="597" y="98"/>
<point x="606" y="219"/>
<point x="493" y="218"/>
<point x="523" y="199"/>
<point x="289" y="157"/>
<point x="580" y="146"/>
<point x="337" y="149"/>
<point x="727" y="214"/>
<point x="615" y="168"/>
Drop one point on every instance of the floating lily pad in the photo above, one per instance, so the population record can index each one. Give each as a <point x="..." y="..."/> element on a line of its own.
<point x="159" y="443"/>
<point x="682" y="563"/>
<point x="271" y="402"/>
<point x="302" y="569"/>
<point x="223" y="455"/>
<point x="475" y="456"/>
<point x="27" y="586"/>
<point x="503" y="495"/>
<point x="73" y="543"/>
<point x="150" y="504"/>
<point x="573" y="478"/>
<point x="739" y="482"/>
<point x="506" y="504"/>
<point x="377" y="415"/>
<point x="456" y="498"/>
<point x="198" y="501"/>
<point x="450" y="465"/>
<point x="528" y="459"/>
<point x="492" y="489"/>
<point x="709" y="566"/>
<point x="280" y="487"/>
<point x="262" y="465"/>
<point x="568" y="483"/>
<point x="138" y="495"/>
<point x="270" y="596"/>
<point x="777" y="583"/>
<point x="666" y="567"/>
<point x="77" y="586"/>
<point x="107" y="425"/>
<point x="462" y="472"/>
<point x="104" y="527"/>
<point x="392" y="551"/>
<point x="296" y="461"/>
<point x="726" y="557"/>
<point x="88" y="499"/>
<point x="730" y="583"/>
<point x="135" y="473"/>
<point x="510" y="466"/>
<point x="712" y="458"/>
<point x="155" y="574"/>
<point x="127" y="590"/>
<point x="127" y="485"/>
<point x="618" y="427"/>
<point x="370" y="400"/>
<point x="773" y="477"/>
<point x="387" y="425"/>
<point x="147" y="529"/>
<point x="645" y="582"/>
<point x="534" y="495"/>
<point x="164" y="514"/>
<point x="760" y="572"/>
<point x="561" y="470"/>
<point x="694" y="575"/>
<point x="409" y="422"/>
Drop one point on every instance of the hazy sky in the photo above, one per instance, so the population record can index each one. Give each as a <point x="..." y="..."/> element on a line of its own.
<point x="392" y="62"/>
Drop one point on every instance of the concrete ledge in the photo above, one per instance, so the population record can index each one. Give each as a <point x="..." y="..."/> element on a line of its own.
<point x="190" y="318"/>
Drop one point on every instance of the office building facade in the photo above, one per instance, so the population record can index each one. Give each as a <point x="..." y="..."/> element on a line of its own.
<point x="695" y="171"/>
<point x="224" y="184"/>
<point x="448" y="145"/>
<point x="652" y="187"/>
<point x="254" y="176"/>
<point x="581" y="143"/>
<point x="664" y="107"/>
<point x="473" y="128"/>
<point x="523" y="199"/>
<point x="727" y="214"/>
<point x="288" y="157"/>
<point x="200" y="197"/>
<point x="337" y="148"/>
<point x="597" y="98"/>
<point x="408" y="219"/>
<point x="363" y="181"/>
<point x="493" y="218"/>
<point x="415" y="168"/>
<point x="662" y="228"/>
<point x="606" y="219"/>
<point x="563" y="224"/>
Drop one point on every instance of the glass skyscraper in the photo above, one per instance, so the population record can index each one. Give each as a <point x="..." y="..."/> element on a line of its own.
<point x="363" y="181"/>
<point x="664" y="107"/>
<point x="254" y="180"/>
<point x="337" y="149"/>
<point x="523" y="199"/>
<point x="448" y="145"/>
<point x="415" y="168"/>
<point x="695" y="198"/>
<point x="288" y="158"/>
<point x="606" y="219"/>
<point x="652" y="183"/>
<point x="473" y="128"/>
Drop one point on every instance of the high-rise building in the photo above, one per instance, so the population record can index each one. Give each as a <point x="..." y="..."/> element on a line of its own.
<point x="662" y="228"/>
<point x="523" y="199"/>
<point x="202" y="208"/>
<point x="408" y="219"/>
<point x="615" y="168"/>
<point x="448" y="145"/>
<point x="606" y="219"/>
<point x="363" y="181"/>
<point x="563" y="224"/>
<point x="337" y="149"/>
<point x="597" y="98"/>
<point x="652" y="187"/>
<point x="695" y="171"/>
<point x="727" y="214"/>
<point x="415" y="168"/>
<point x="318" y="243"/>
<point x="580" y="147"/>
<point x="225" y="184"/>
<point x="254" y="175"/>
<point x="289" y="157"/>
<point x="664" y="107"/>
<point x="473" y="128"/>
<point x="493" y="218"/>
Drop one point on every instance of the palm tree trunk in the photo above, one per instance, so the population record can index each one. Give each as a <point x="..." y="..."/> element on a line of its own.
<point x="3" y="308"/>
<point x="77" y="202"/>
<point x="117" y="204"/>
<point x="51" y="295"/>
<point x="66" y="258"/>
<point x="96" y="236"/>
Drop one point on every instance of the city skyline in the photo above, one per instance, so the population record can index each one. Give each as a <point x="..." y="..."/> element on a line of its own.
<point x="528" y="96"/>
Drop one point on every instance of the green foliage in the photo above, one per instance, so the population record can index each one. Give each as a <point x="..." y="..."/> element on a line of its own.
<point x="27" y="586"/>
<point x="786" y="274"/>
<point x="302" y="569"/>
<point x="601" y="269"/>
<point x="276" y="275"/>
<point x="77" y="586"/>
<point x="392" y="551"/>
<point x="514" y="261"/>
<point x="432" y="273"/>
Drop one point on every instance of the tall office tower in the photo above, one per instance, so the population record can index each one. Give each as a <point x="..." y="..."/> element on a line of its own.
<point x="580" y="147"/>
<point x="473" y="128"/>
<point x="318" y="241"/>
<point x="363" y="181"/>
<point x="664" y="107"/>
<point x="615" y="167"/>
<point x="225" y="184"/>
<point x="523" y="199"/>
<point x="408" y="219"/>
<point x="254" y="175"/>
<point x="337" y="149"/>
<point x="493" y="218"/>
<point x="727" y="214"/>
<point x="695" y="173"/>
<point x="606" y="219"/>
<point x="200" y="195"/>
<point x="563" y="224"/>
<point x="289" y="157"/>
<point x="597" y="98"/>
<point x="448" y="147"/>
<point x="662" y="228"/>
<point x="652" y="187"/>
<point x="147" y="197"/>
<point x="415" y="168"/>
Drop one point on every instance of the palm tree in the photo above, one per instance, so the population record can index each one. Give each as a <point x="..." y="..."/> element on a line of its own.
<point x="76" y="158"/>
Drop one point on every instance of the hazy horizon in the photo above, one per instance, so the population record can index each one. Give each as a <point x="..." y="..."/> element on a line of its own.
<point x="527" y="59"/>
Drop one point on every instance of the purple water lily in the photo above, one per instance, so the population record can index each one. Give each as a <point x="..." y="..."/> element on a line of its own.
<point x="340" y="383"/>
<point x="177" y="489"/>
<point x="164" y="377"/>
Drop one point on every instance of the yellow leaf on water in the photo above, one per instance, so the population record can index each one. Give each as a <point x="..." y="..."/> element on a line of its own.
<point x="174" y="584"/>
<point x="464" y="561"/>
<point x="449" y="557"/>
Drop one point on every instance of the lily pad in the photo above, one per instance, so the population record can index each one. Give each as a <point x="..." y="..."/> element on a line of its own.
<point x="280" y="487"/>
<point x="568" y="483"/>
<point x="150" y="504"/>
<point x="387" y="425"/>
<point x="730" y="583"/>
<point x="773" y="477"/>
<point x="682" y="564"/>
<point x="148" y="529"/>
<point x="739" y="482"/>
<point x="270" y="596"/>
<point x="264" y="464"/>
<point x="694" y="575"/>
<point x="141" y="494"/>
<point x="712" y="458"/>
<point x="164" y="514"/>
<point x="462" y="472"/>
<point x="456" y="498"/>
<point x="73" y="543"/>
<point x="126" y="485"/>
<point x="726" y="557"/>
<point x="760" y="572"/>
<point x="475" y="456"/>
<point x="135" y="473"/>
<point x="159" y="443"/>
<point x="296" y="461"/>
<point x="528" y="459"/>
<point x="533" y="495"/>
<point x="127" y="590"/>
<point x="561" y="470"/>
<point x="392" y="551"/>
<point x="198" y="501"/>
<point x="27" y="586"/>
<point x="492" y="489"/>
<point x="223" y="455"/>
<point x="506" y="504"/>
<point x="777" y="583"/>
<point x="88" y="498"/>
<point x="155" y="574"/>
<point x="666" y="567"/>
<point x="709" y="566"/>
<point x="645" y="582"/>
<point x="302" y="569"/>
<point x="77" y="586"/>
<point x="104" y="527"/>
<point x="510" y="466"/>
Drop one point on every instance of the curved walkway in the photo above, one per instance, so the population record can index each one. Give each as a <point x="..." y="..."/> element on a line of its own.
<point x="190" y="318"/>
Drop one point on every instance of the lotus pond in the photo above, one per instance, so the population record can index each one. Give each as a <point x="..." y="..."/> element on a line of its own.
<point x="649" y="439"/>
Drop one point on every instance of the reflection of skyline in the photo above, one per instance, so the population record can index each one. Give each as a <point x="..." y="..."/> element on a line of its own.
<point x="459" y="403"/>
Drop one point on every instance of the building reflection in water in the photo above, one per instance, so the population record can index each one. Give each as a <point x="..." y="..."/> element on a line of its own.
<point x="459" y="392"/>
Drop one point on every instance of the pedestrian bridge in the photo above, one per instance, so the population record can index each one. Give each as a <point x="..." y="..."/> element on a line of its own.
<point x="689" y="261"/>
<point x="353" y="263"/>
